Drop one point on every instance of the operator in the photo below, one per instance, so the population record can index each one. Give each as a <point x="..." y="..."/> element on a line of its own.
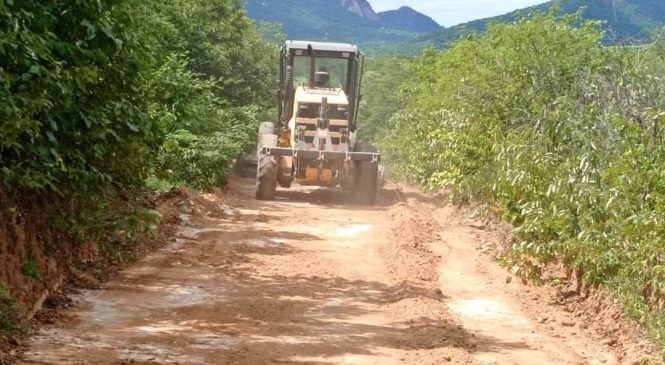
<point x="322" y="78"/>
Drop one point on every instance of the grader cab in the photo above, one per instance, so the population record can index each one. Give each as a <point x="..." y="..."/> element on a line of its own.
<point x="315" y="140"/>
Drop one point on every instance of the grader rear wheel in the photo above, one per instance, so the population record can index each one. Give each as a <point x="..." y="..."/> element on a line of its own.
<point x="366" y="179"/>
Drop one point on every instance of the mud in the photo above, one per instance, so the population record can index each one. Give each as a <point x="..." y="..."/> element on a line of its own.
<point x="312" y="278"/>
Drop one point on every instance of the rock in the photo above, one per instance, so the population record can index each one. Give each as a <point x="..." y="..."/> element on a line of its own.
<point x="609" y="342"/>
<point x="568" y="324"/>
<point x="477" y="225"/>
<point x="13" y="341"/>
<point x="83" y="280"/>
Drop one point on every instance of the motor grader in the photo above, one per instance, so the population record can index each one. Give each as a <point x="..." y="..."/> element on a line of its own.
<point x="315" y="141"/>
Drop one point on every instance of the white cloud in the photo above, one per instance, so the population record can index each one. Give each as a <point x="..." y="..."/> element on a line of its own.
<point x="451" y="12"/>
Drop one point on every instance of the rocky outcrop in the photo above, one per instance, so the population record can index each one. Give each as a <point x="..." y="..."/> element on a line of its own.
<point x="361" y="8"/>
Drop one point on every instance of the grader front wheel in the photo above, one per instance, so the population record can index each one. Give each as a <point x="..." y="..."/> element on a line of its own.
<point x="266" y="179"/>
<point x="266" y="169"/>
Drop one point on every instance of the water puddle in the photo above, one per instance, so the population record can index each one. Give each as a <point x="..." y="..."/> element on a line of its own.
<point x="156" y="354"/>
<point x="185" y="218"/>
<point x="353" y="230"/>
<point x="194" y="233"/>
<point x="264" y="242"/>
<point x="486" y="310"/>
<point x="212" y="341"/>
<point x="179" y="296"/>
<point x="161" y="328"/>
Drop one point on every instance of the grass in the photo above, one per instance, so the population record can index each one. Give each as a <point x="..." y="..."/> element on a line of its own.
<point x="31" y="269"/>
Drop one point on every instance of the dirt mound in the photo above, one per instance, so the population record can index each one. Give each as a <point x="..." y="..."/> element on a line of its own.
<point x="179" y="201"/>
<point x="417" y="298"/>
<point x="597" y="314"/>
<point x="408" y="256"/>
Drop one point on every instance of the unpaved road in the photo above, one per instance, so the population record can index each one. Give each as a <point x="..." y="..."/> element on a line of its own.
<point x="314" y="279"/>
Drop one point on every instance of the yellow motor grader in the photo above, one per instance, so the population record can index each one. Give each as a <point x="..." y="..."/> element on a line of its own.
<point x="314" y="142"/>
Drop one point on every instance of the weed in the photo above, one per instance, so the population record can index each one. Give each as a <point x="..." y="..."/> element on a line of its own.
<point x="4" y="291"/>
<point x="31" y="268"/>
<point x="113" y="252"/>
<point x="7" y="310"/>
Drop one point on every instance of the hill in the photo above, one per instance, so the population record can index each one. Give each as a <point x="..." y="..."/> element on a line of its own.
<point x="626" y="21"/>
<point x="342" y="20"/>
<point x="408" y="19"/>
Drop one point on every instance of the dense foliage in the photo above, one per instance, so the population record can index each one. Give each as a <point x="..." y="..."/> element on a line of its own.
<point x="381" y="96"/>
<point x="562" y="136"/>
<point x="90" y="91"/>
<point x="211" y="81"/>
<point x="69" y="96"/>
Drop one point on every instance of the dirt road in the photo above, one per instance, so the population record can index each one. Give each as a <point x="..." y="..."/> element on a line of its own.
<point x="313" y="279"/>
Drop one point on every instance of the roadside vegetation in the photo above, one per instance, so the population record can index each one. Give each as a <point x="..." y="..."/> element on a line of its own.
<point x="381" y="96"/>
<point x="561" y="136"/>
<point x="99" y="96"/>
<point x="101" y="100"/>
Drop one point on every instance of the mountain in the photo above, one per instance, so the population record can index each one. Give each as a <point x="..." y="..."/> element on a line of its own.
<point x="407" y="18"/>
<point x="626" y="21"/>
<point x="342" y="21"/>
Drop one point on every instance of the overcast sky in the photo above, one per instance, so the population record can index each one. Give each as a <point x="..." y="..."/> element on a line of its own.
<point x="451" y="12"/>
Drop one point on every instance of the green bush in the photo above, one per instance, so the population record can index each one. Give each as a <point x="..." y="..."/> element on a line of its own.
<point x="381" y="96"/>
<point x="31" y="268"/>
<point x="208" y="94"/>
<point x="97" y="97"/>
<point x="205" y="159"/>
<point x="69" y="104"/>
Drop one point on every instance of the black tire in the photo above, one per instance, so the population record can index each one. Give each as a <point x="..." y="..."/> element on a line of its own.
<point x="366" y="179"/>
<point x="266" y="178"/>
<point x="285" y="182"/>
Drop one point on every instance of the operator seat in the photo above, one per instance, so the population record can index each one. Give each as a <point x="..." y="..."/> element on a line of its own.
<point x="322" y="78"/>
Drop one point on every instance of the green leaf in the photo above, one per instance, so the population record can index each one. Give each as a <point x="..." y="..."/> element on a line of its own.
<point x="91" y="29"/>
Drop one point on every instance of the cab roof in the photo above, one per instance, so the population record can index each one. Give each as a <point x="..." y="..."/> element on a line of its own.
<point x="323" y="46"/>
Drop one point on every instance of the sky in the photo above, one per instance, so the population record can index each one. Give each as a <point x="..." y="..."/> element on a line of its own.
<point x="452" y="12"/>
